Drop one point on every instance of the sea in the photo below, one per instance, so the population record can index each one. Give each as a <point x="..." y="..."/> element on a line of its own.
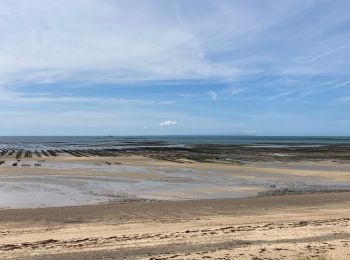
<point x="122" y="142"/>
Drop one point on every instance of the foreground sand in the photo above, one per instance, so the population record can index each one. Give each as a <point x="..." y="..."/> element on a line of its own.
<point x="291" y="227"/>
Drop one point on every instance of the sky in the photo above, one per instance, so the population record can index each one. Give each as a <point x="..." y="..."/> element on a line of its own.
<point x="154" y="67"/>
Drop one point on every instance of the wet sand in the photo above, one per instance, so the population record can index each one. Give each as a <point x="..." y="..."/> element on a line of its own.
<point x="137" y="207"/>
<point x="70" y="181"/>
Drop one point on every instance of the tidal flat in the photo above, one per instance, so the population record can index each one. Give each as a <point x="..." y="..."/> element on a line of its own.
<point x="181" y="202"/>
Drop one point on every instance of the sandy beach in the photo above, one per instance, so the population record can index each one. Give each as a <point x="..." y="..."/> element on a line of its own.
<point x="185" y="130"/>
<point x="289" y="227"/>
<point x="136" y="207"/>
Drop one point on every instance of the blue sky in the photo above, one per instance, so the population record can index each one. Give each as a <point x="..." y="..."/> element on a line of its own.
<point x="94" y="67"/>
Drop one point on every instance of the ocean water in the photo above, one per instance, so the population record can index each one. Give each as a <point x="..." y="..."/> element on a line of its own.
<point x="101" y="142"/>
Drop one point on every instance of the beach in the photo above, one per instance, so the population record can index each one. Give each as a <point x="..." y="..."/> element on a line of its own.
<point x="185" y="130"/>
<point x="171" y="202"/>
<point x="289" y="227"/>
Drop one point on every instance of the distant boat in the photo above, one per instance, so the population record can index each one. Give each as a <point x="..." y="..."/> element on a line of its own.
<point x="110" y="135"/>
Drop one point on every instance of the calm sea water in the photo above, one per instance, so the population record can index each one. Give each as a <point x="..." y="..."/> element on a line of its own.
<point x="88" y="142"/>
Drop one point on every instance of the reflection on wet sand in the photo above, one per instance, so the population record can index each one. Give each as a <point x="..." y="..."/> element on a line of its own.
<point x="67" y="181"/>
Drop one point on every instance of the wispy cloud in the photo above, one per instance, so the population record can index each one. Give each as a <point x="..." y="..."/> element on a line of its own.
<point x="344" y="99"/>
<point x="44" y="98"/>
<point x="283" y="94"/>
<point x="102" y="58"/>
<point x="327" y="53"/>
<point x="213" y="95"/>
<point x="100" y="41"/>
<point x="234" y="90"/>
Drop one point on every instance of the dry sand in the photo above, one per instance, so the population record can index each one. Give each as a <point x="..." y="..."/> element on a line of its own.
<point x="291" y="227"/>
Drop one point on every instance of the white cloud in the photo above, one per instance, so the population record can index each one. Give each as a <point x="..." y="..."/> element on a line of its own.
<point x="255" y="132"/>
<point x="213" y="95"/>
<point x="168" y="123"/>
<point x="105" y="41"/>
<point x="66" y="43"/>
<point x="127" y="41"/>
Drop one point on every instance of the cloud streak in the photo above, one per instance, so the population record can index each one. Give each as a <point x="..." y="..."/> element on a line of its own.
<point x="213" y="95"/>
<point x="116" y="59"/>
<point x="101" y="41"/>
